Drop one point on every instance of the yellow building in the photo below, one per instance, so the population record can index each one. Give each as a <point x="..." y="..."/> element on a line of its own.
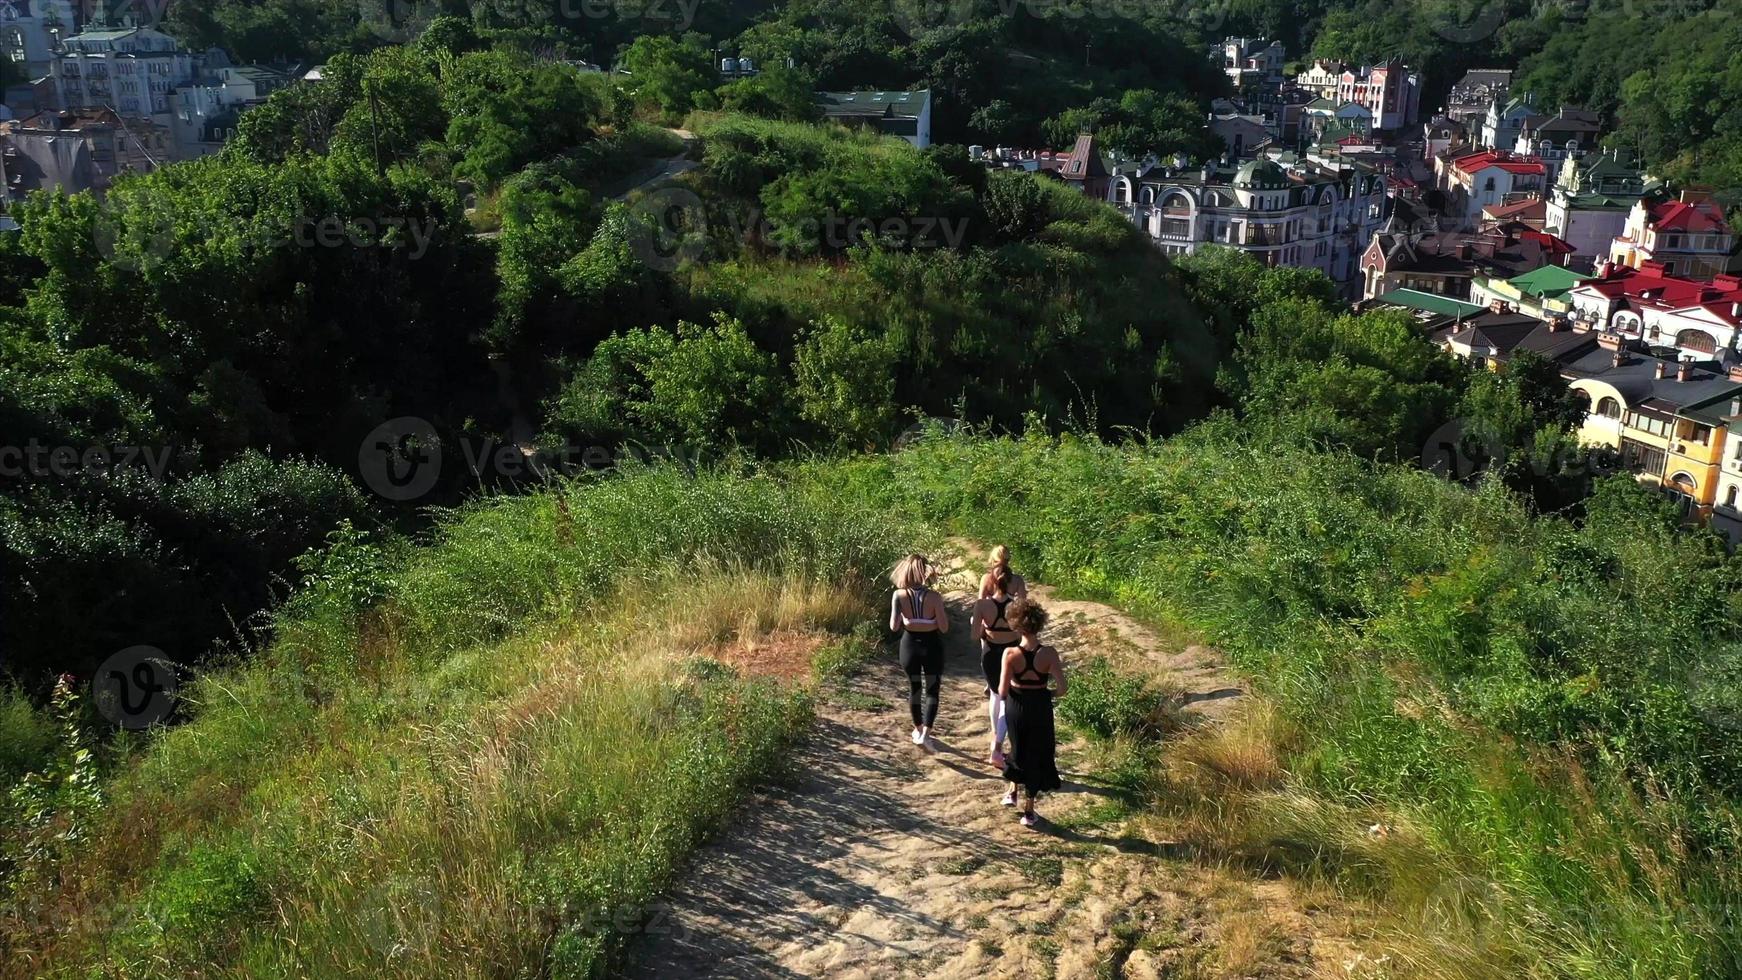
<point x="1668" y="420"/>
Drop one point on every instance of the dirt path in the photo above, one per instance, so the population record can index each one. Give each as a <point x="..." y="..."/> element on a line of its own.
<point x="883" y="859"/>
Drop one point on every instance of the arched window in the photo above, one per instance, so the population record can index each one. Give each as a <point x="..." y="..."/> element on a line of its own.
<point x="1696" y="340"/>
<point x="1730" y="497"/>
<point x="1609" y="408"/>
<point x="1684" y="482"/>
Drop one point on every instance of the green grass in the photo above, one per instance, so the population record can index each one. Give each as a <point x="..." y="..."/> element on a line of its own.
<point x="486" y="755"/>
<point x="1543" y="709"/>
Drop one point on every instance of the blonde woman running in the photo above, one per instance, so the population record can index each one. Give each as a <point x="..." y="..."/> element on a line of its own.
<point x="992" y="628"/>
<point x="1001" y="561"/>
<point x="919" y="615"/>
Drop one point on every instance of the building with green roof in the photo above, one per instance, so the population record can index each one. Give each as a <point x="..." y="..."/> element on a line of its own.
<point x="1539" y="292"/>
<point x="1588" y="204"/>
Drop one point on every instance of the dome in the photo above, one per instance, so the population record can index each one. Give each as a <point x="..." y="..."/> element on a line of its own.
<point x="1260" y="175"/>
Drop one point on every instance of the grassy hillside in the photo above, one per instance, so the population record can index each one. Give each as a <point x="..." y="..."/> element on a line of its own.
<point x="482" y="756"/>
<point x="1513" y="738"/>
<point x="1540" y="719"/>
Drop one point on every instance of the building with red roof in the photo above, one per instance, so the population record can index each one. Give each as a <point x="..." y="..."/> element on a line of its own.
<point x="1700" y="319"/>
<point x="1687" y="234"/>
<point x="1490" y="178"/>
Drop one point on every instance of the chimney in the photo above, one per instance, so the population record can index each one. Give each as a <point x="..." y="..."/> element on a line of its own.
<point x="1661" y="370"/>
<point x="1619" y="360"/>
<point x="1557" y="325"/>
<point x="1609" y="341"/>
<point x="1498" y="305"/>
<point x="1735" y="372"/>
<point x="1683" y="369"/>
<point x="1735" y="403"/>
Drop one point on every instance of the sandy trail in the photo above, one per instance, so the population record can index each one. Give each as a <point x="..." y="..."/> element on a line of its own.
<point x="882" y="859"/>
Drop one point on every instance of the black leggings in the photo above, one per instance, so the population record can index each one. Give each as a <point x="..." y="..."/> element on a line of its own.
<point x="923" y="653"/>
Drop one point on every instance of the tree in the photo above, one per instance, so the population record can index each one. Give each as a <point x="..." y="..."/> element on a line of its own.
<point x="667" y="72"/>
<point x="775" y="93"/>
<point x="845" y="384"/>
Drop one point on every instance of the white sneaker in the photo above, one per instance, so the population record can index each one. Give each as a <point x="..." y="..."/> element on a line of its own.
<point x="1009" y="798"/>
<point x="916" y="737"/>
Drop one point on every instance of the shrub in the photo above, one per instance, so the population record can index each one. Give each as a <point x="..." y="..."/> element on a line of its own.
<point x="1105" y="702"/>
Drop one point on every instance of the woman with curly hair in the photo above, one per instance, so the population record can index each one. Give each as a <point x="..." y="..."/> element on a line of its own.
<point x="1032" y="764"/>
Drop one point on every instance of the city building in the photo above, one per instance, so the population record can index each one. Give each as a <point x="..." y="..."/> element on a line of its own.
<point x="1250" y="61"/>
<point x="1389" y="90"/>
<point x="1691" y="318"/>
<point x="131" y="71"/>
<point x="1490" y="177"/>
<point x="31" y="31"/>
<point x="1726" y="517"/>
<point x="1470" y="97"/>
<point x="1666" y="419"/>
<point x="1243" y="135"/>
<point x="1503" y="122"/>
<point x="1296" y="212"/>
<point x="1541" y="293"/>
<point x="77" y="150"/>
<point x="1687" y="234"/>
<point x="1589" y="203"/>
<point x="1448" y="263"/>
<point x="1526" y="209"/>
<point x="1498" y="334"/>
<point x="903" y="114"/>
<point x="1569" y="133"/>
<point x="203" y="112"/>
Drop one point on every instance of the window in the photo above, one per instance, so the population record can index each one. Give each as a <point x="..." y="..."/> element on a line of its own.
<point x="1648" y="424"/>
<point x="1641" y="458"/>
<point x="1684" y="482"/>
<point x="1609" y="408"/>
<point x="1730" y="497"/>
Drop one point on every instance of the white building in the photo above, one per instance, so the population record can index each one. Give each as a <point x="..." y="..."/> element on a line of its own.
<point x="1702" y="320"/>
<point x="1294" y="213"/>
<point x="1589" y="202"/>
<point x="131" y="71"/>
<point x="203" y="112"/>
<point x="903" y="114"/>
<point x="1250" y="60"/>
<point x="1488" y="179"/>
<point x="31" y="31"/>
<point x="1503" y="123"/>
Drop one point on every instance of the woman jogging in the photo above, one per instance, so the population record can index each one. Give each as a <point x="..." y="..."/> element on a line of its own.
<point x="992" y="628"/>
<point x="1001" y="562"/>
<point x="918" y="614"/>
<point x="1032" y="765"/>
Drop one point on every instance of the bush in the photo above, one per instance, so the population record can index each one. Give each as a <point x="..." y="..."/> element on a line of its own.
<point x="1104" y="702"/>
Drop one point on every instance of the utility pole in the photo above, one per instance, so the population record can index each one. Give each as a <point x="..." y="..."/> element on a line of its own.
<point x="375" y="130"/>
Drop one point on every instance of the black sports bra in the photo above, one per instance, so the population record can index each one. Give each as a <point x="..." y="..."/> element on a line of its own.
<point x="1001" y="624"/>
<point x="1037" y="679"/>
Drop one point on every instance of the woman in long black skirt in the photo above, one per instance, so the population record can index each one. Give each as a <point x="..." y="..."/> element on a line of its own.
<point x="1032" y="765"/>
